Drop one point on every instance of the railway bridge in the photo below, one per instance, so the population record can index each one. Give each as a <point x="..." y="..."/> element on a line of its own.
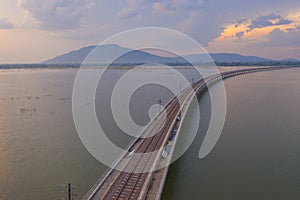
<point x="135" y="181"/>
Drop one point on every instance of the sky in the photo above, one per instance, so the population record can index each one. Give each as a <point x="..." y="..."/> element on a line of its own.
<point x="32" y="31"/>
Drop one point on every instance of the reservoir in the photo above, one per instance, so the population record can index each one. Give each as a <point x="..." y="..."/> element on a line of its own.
<point x="256" y="157"/>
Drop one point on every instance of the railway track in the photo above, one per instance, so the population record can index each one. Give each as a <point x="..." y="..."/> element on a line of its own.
<point x="129" y="182"/>
<point x="137" y="172"/>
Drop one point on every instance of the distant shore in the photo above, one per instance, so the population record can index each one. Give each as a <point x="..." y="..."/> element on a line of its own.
<point x="131" y="65"/>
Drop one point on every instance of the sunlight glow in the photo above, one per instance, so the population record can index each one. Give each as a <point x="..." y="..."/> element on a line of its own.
<point x="243" y="30"/>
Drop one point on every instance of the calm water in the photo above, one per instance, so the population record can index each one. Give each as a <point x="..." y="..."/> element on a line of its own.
<point x="39" y="146"/>
<point x="257" y="155"/>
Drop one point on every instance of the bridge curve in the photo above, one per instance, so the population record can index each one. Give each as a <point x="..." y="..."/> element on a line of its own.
<point x="133" y="182"/>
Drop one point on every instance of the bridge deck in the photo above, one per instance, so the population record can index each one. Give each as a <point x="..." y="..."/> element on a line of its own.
<point x="133" y="182"/>
<point x="138" y="170"/>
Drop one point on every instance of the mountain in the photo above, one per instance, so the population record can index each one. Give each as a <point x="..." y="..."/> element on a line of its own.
<point x="107" y="53"/>
<point x="225" y="58"/>
<point x="78" y="56"/>
<point x="290" y="60"/>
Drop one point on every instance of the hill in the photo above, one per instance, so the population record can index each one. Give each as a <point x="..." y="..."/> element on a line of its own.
<point x="106" y="53"/>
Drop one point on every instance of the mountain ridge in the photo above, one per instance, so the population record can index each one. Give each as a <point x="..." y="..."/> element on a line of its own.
<point x="108" y="53"/>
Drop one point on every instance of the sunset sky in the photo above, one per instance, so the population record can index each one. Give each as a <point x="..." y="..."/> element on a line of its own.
<point x="36" y="30"/>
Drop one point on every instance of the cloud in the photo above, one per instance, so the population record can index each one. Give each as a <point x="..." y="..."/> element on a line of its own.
<point x="128" y="13"/>
<point x="4" y="24"/>
<point x="269" y="20"/>
<point x="187" y="16"/>
<point x="177" y="5"/>
<point x="57" y="14"/>
<point x="137" y="8"/>
<point x="279" y="44"/>
<point x="187" y="25"/>
<point x="278" y="38"/>
<point x="241" y="21"/>
<point x="274" y="41"/>
<point x="239" y="34"/>
<point x="257" y="28"/>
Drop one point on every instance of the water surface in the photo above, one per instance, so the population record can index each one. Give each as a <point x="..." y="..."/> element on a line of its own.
<point x="258" y="154"/>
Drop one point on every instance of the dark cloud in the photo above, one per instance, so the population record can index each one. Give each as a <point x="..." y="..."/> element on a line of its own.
<point x="4" y="24"/>
<point x="269" y="20"/>
<point x="57" y="14"/>
<point x="239" y="22"/>
<point x="239" y="34"/>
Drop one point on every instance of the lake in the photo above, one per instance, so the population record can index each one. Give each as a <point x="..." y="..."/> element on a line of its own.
<point x="257" y="156"/>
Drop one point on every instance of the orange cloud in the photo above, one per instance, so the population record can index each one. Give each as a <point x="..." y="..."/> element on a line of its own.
<point x="245" y="31"/>
<point x="231" y="30"/>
